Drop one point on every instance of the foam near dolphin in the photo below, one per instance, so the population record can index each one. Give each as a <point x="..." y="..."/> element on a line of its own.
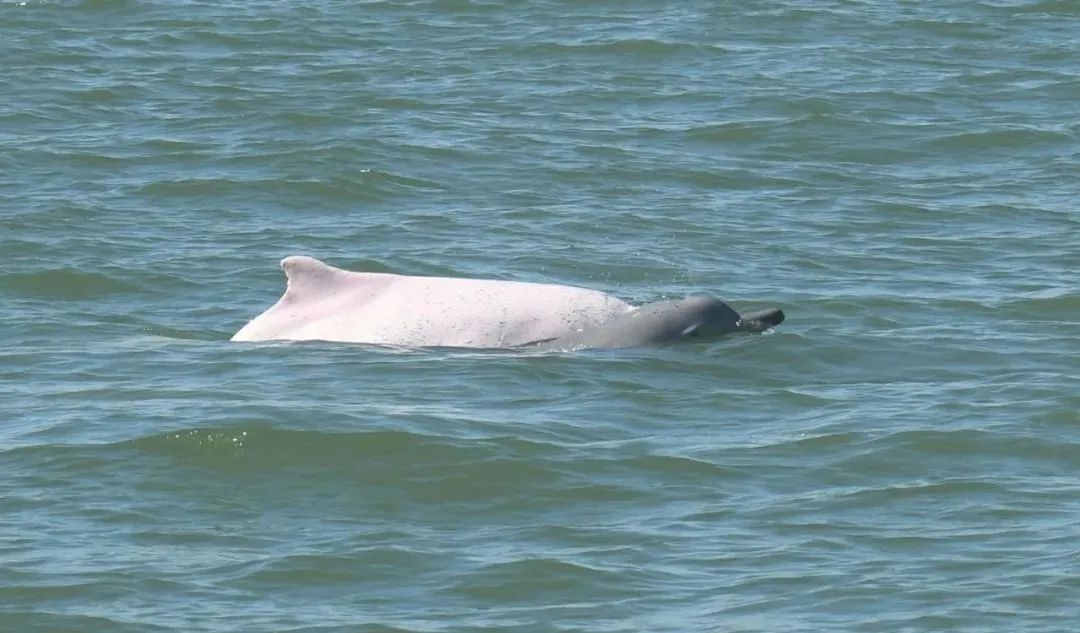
<point x="322" y="302"/>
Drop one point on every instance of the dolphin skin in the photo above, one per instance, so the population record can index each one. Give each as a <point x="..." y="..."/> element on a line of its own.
<point x="325" y="303"/>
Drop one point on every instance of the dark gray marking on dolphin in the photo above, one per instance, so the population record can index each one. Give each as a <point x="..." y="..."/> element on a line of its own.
<point x="666" y="322"/>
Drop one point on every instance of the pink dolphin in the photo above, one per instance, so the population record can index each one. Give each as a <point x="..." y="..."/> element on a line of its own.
<point x="330" y="304"/>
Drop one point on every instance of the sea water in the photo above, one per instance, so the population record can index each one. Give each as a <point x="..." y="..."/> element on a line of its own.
<point x="902" y="179"/>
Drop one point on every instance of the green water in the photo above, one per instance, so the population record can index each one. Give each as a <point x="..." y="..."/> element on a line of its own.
<point x="903" y="454"/>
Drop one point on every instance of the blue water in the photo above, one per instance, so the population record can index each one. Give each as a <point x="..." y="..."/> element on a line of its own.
<point x="902" y="454"/>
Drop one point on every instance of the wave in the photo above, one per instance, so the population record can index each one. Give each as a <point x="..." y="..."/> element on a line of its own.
<point x="636" y="47"/>
<point x="64" y="283"/>
<point x="1018" y="139"/>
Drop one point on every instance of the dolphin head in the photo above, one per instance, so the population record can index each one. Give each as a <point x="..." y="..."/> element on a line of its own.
<point x="694" y="317"/>
<point x="709" y="317"/>
<point x="761" y="320"/>
<point x="705" y="316"/>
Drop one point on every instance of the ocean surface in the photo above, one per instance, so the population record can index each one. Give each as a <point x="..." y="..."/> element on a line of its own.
<point x="901" y="178"/>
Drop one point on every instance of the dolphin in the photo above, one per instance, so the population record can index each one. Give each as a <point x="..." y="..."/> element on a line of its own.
<point x="325" y="303"/>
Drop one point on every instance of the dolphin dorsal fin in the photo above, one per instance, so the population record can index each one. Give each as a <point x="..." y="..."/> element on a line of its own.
<point x="305" y="274"/>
